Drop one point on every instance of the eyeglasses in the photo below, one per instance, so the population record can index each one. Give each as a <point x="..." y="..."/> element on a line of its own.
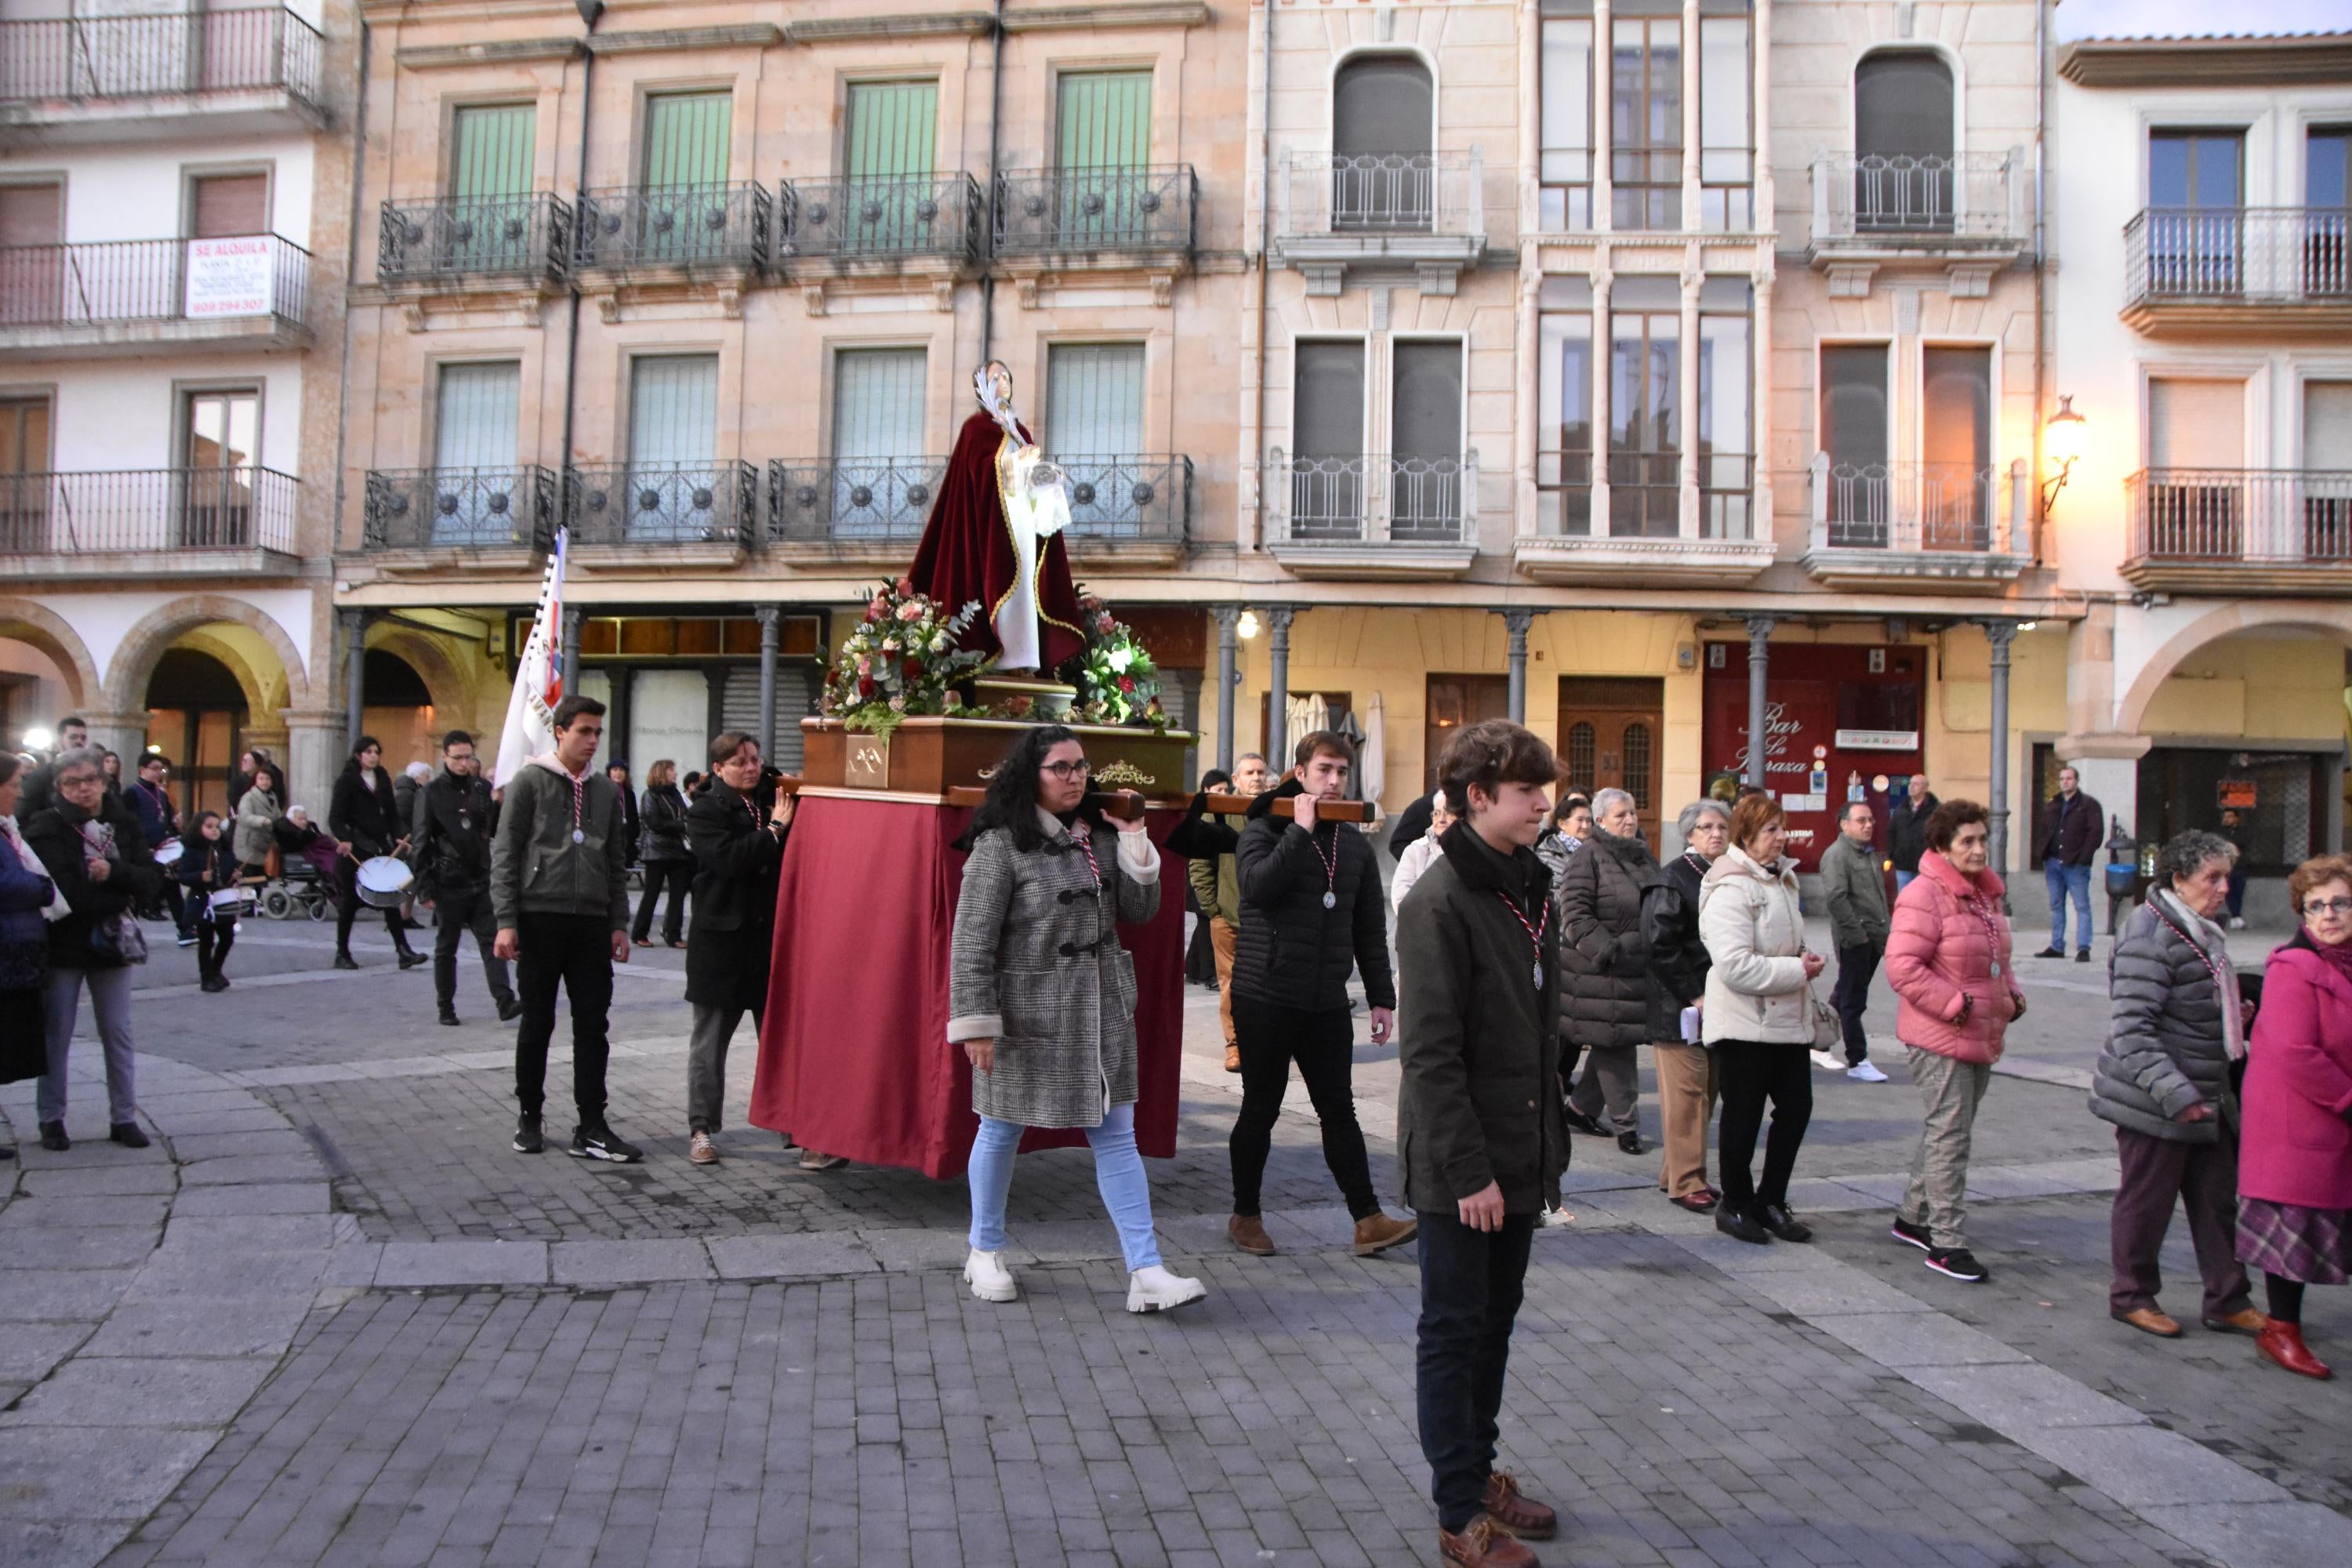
<point x="1077" y="770"/>
<point x="2327" y="907"/>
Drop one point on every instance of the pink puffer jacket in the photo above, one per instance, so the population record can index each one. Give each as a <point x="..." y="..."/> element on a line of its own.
<point x="1948" y="936"/>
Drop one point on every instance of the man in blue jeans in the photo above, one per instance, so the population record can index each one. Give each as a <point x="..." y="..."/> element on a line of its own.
<point x="2067" y="839"/>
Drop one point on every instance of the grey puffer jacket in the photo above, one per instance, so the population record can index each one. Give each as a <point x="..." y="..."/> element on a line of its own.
<point x="1605" y="957"/>
<point x="2165" y="1049"/>
<point x="1034" y="964"/>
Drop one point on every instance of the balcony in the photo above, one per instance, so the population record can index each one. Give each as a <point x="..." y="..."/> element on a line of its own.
<point x="1087" y="218"/>
<point x="1943" y="525"/>
<point x="132" y="296"/>
<point x="496" y="518"/>
<point x="2240" y="530"/>
<point x="1373" y="516"/>
<point x="1421" y="218"/>
<point x="210" y="73"/>
<point x="675" y="233"/>
<point x="879" y="225"/>
<point x="1127" y="510"/>
<point x="2201" y="269"/>
<point x="852" y="510"/>
<point x="476" y="242"/>
<point x="164" y="523"/>
<point x="666" y="514"/>
<point x="1968" y="215"/>
<point x="1645" y="537"/>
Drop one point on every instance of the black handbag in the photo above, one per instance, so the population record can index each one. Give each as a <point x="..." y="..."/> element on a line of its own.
<point x="24" y="1040"/>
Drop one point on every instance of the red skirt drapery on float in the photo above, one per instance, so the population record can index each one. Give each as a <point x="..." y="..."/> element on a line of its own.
<point x="854" y="1057"/>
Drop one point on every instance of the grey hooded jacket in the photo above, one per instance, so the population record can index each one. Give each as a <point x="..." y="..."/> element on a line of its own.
<point x="2165" y="1049"/>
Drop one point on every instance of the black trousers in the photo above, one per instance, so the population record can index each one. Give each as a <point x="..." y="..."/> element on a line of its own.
<point x="348" y="907"/>
<point x="1851" y="994"/>
<point x="183" y="908"/>
<point x="1471" y="1282"/>
<point x="575" y="952"/>
<point x="457" y="914"/>
<point x="679" y="875"/>
<point x="213" y="938"/>
<point x="1747" y="1073"/>
<point x="1324" y="1047"/>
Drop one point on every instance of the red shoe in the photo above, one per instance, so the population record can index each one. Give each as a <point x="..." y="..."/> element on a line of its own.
<point x="2282" y="1343"/>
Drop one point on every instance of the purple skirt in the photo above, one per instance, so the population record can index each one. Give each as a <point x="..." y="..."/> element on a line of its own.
<point x="2313" y="1246"/>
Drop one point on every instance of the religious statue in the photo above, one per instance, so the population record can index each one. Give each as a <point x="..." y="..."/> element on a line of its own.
<point x="995" y="536"/>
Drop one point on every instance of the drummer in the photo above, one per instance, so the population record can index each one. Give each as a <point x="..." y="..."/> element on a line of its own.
<point x="366" y="823"/>
<point x="207" y="868"/>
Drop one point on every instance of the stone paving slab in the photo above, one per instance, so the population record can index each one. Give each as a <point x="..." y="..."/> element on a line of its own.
<point x="150" y="1391"/>
<point x="29" y="1351"/>
<point x="2022" y="1397"/>
<point x="430" y="1263"/>
<point x="2140" y="1465"/>
<point x="625" y="1262"/>
<point x="60" y="1295"/>
<point x="2285" y="1535"/>
<point x="166" y="1328"/>
<point x="1907" y="1340"/>
<point x="787" y="1256"/>
<point x="262" y="1198"/>
<point x="105" y="1210"/>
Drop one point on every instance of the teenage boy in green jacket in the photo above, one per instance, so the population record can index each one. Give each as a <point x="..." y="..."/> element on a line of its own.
<point x="1480" y="1131"/>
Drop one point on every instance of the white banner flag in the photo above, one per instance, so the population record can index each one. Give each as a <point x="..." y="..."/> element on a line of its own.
<point x="539" y="678"/>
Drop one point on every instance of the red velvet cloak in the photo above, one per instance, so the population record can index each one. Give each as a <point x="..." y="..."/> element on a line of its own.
<point x="966" y="552"/>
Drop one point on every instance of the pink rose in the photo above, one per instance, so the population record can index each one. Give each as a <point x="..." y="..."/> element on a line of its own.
<point x="906" y="585"/>
<point x="910" y="611"/>
<point x="864" y="667"/>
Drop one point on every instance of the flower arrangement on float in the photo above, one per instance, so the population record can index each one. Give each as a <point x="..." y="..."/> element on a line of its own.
<point x="903" y="658"/>
<point x="1116" y="681"/>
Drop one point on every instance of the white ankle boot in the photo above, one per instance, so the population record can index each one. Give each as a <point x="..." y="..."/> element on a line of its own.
<point x="989" y="1279"/>
<point x="1154" y="1289"/>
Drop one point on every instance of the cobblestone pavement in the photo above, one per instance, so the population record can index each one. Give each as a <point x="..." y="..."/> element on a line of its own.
<point x="332" y="1319"/>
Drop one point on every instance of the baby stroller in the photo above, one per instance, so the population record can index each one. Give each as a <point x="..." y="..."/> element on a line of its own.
<point x="305" y="885"/>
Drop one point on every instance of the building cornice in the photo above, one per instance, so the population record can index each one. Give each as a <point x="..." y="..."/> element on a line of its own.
<point x="669" y="40"/>
<point x="2207" y="62"/>
<point x="859" y="29"/>
<point x="1109" y="13"/>
<point x="497" y="52"/>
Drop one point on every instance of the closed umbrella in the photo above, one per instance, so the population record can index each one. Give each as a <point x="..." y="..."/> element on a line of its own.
<point x="1301" y="718"/>
<point x="1374" y="770"/>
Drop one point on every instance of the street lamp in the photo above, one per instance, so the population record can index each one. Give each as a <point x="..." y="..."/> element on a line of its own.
<point x="2062" y="444"/>
<point x="1248" y="625"/>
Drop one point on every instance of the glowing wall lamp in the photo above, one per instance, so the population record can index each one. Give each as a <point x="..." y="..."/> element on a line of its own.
<point x="2062" y="444"/>
<point x="1248" y="625"/>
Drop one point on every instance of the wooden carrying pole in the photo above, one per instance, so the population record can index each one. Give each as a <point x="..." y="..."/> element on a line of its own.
<point x="1325" y="810"/>
<point x="1126" y="806"/>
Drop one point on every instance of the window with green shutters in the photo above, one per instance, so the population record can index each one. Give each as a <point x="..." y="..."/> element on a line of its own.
<point x="683" y="202"/>
<point x="673" y="439"/>
<point x="1094" y="429"/>
<point x="1103" y="142"/>
<point x="476" y="415"/>
<point x="877" y="442"/>
<point x="492" y="150"/>
<point x="889" y="139"/>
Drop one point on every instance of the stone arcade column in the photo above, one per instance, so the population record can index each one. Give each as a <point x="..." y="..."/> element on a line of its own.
<point x="1228" y="617"/>
<point x="354" y="622"/>
<point x="2000" y="634"/>
<point x="1516" y="624"/>
<point x="770" y="617"/>
<point x="1278" y="651"/>
<point x="1759" y="634"/>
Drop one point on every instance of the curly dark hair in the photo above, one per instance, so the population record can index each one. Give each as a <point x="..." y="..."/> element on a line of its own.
<point x="2185" y="855"/>
<point x="1949" y="816"/>
<point x="1012" y="801"/>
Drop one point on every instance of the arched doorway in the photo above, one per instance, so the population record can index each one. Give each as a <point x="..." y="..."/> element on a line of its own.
<point x="196" y="716"/>
<point x="399" y="710"/>
<point x="1903" y="178"/>
<point x="1384" y="171"/>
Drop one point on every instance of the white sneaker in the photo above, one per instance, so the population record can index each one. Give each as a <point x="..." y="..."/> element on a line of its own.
<point x="1829" y="1061"/>
<point x="2236" y="923"/>
<point x="1863" y="1072"/>
<point x="1556" y="1218"/>
<point x="989" y="1279"/>
<point x="1154" y="1289"/>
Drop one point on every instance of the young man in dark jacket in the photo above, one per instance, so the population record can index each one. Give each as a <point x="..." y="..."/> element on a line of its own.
<point x="455" y="822"/>
<point x="1311" y="912"/>
<point x="159" y="820"/>
<point x="2067" y="839"/>
<point x="560" y="885"/>
<point x="1906" y="830"/>
<point x="1479" y="1129"/>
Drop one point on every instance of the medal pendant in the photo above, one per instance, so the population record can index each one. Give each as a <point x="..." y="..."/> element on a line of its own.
<point x="578" y="836"/>
<point x="1538" y="976"/>
<point x="1996" y="969"/>
<point x="1330" y="900"/>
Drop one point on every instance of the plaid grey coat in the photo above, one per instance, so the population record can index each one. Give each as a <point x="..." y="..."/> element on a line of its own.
<point x="1035" y="963"/>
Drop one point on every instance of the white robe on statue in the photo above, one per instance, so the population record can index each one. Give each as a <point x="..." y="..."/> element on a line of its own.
<point x="1033" y="513"/>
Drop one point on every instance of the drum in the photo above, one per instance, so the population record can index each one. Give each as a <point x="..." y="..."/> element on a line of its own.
<point x="383" y="881"/>
<point x="169" y="852"/>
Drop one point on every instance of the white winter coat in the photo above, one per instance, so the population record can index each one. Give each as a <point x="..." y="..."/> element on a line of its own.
<point x="1755" y="934"/>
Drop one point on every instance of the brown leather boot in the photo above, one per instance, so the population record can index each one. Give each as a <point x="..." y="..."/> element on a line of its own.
<point x="2282" y="1344"/>
<point x="2149" y="1320"/>
<point x="1486" y="1544"/>
<point x="2244" y="1320"/>
<point x="1516" y="1512"/>
<point x="1248" y="1233"/>
<point x="1380" y="1233"/>
<point x="1232" y="1058"/>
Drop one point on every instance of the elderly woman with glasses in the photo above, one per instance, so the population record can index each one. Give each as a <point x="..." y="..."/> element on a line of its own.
<point x="2176" y="1024"/>
<point x="2295" y="1169"/>
<point x="1678" y="966"/>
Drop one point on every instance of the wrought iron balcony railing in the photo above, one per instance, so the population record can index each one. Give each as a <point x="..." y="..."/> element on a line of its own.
<point x="1979" y="197"/>
<point x="1377" y="194"/>
<point x="2253" y="256"/>
<point x="1914" y="507"/>
<point x="461" y="509"/>
<point x="1375" y="499"/>
<point x="527" y="236"/>
<point x="1644" y="502"/>
<point x="716" y="502"/>
<point x="883" y="219"/>
<point x="1142" y="499"/>
<point x="863" y="500"/>
<point x="2242" y="516"/>
<point x="675" y="225"/>
<point x="179" y="54"/>
<point x="1060" y="211"/>
<point x="152" y="280"/>
<point x="142" y="510"/>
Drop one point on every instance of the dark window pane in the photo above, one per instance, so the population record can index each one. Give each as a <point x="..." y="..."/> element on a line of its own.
<point x="1427" y="416"/>
<point x="1854" y="404"/>
<point x="2325" y="167"/>
<point x="1903" y="105"/>
<point x="1380" y="103"/>
<point x="1330" y="413"/>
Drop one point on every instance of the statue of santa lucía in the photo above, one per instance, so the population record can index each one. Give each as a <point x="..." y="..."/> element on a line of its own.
<point x="995" y="536"/>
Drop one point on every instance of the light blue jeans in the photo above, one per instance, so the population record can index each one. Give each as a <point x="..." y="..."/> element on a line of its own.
<point x="1119" y="1172"/>
<point x="1903" y="880"/>
<point x="2068" y="881"/>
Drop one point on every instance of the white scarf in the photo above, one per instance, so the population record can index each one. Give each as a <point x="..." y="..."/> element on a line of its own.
<point x="56" y="908"/>
<point x="2214" y="944"/>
